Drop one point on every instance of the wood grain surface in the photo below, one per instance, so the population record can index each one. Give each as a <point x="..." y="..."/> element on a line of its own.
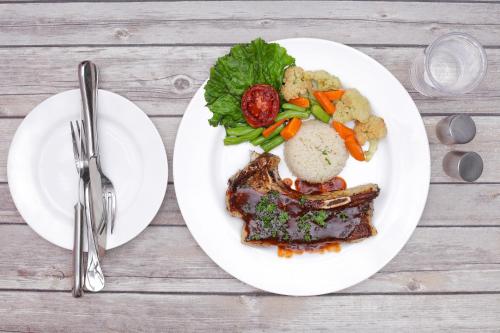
<point x="157" y="54"/>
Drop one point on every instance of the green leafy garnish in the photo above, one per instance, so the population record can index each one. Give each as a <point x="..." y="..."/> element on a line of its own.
<point x="245" y="65"/>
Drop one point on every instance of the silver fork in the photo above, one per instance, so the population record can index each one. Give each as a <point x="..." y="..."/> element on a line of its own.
<point x="94" y="278"/>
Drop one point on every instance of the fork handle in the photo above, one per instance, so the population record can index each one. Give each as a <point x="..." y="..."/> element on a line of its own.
<point x="89" y="79"/>
<point x="78" y="252"/>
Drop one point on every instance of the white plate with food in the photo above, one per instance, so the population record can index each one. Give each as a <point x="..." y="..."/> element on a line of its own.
<point x="42" y="175"/>
<point x="284" y="221"/>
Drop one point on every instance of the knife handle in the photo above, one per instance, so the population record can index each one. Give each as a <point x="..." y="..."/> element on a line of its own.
<point x="94" y="278"/>
<point x="78" y="252"/>
<point x="89" y="79"/>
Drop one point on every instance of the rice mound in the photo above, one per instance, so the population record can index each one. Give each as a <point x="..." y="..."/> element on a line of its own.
<point x="316" y="153"/>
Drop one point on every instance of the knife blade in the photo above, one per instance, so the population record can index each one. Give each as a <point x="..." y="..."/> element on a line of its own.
<point x="96" y="203"/>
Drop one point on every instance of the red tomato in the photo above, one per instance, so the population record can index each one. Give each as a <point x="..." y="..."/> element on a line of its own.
<point x="260" y="105"/>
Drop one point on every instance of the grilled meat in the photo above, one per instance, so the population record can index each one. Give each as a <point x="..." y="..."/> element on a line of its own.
<point x="276" y="214"/>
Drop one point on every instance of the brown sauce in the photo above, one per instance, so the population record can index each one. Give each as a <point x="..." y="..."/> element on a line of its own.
<point x="285" y="251"/>
<point x="334" y="184"/>
<point x="294" y="224"/>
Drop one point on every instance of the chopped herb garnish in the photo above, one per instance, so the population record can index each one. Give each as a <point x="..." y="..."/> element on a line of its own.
<point x="320" y="217"/>
<point x="283" y="217"/>
<point x="254" y="237"/>
<point x="328" y="161"/>
<point x="273" y="220"/>
<point x="273" y="195"/>
<point x="343" y="216"/>
<point x="302" y="200"/>
<point x="305" y="227"/>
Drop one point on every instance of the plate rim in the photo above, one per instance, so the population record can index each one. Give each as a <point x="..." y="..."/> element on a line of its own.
<point x="426" y="168"/>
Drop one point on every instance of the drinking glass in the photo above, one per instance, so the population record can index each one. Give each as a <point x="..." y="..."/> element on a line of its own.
<point x="453" y="64"/>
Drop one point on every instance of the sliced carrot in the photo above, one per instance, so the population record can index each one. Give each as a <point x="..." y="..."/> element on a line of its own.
<point x="291" y="129"/>
<point x="354" y="148"/>
<point x="325" y="103"/>
<point x="334" y="95"/>
<point x="300" y="101"/>
<point x="268" y="131"/>
<point x="342" y="130"/>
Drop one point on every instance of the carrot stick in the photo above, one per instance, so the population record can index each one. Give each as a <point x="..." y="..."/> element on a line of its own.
<point x="342" y="130"/>
<point x="334" y="95"/>
<point x="291" y="129"/>
<point x="300" y="101"/>
<point x="268" y="131"/>
<point x="354" y="148"/>
<point x="325" y="103"/>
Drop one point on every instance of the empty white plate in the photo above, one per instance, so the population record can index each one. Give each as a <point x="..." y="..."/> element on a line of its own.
<point x="42" y="175"/>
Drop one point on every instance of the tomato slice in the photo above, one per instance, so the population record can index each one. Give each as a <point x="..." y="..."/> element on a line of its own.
<point x="260" y="105"/>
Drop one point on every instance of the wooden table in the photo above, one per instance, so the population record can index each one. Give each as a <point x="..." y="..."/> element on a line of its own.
<point x="157" y="54"/>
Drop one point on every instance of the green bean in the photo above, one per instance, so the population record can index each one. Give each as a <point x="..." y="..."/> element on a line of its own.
<point x="276" y="131"/>
<point x="288" y="106"/>
<point x="292" y="114"/>
<point x="260" y="140"/>
<point x="320" y="114"/>
<point x="273" y="143"/>
<point x="239" y="131"/>
<point x="234" y="140"/>
<point x="257" y="141"/>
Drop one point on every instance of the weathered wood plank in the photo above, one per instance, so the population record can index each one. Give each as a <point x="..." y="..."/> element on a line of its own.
<point x="485" y="143"/>
<point x="447" y="205"/>
<point x="56" y="312"/>
<point x="162" y="80"/>
<point x="167" y="259"/>
<point x="230" y="22"/>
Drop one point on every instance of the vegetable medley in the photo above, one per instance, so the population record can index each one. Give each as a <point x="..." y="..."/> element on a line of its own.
<point x="258" y="94"/>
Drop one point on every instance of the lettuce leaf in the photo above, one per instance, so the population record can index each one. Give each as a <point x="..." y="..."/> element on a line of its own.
<point x="245" y="65"/>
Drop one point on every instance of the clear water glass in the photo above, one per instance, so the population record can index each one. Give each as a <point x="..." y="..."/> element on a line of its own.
<point x="453" y="64"/>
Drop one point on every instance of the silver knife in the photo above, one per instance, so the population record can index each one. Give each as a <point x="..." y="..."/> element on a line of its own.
<point x="88" y="78"/>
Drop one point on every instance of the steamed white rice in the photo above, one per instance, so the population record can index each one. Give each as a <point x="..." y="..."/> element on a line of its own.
<point x="316" y="153"/>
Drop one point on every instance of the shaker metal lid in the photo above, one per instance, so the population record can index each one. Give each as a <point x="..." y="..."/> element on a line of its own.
<point x="462" y="128"/>
<point x="470" y="166"/>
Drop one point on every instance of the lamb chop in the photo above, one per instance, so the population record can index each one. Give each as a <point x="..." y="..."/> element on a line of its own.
<point x="276" y="214"/>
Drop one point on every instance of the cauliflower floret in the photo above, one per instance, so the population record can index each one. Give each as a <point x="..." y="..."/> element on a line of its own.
<point x="294" y="83"/>
<point x="373" y="129"/>
<point x="352" y="106"/>
<point x="322" y="81"/>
